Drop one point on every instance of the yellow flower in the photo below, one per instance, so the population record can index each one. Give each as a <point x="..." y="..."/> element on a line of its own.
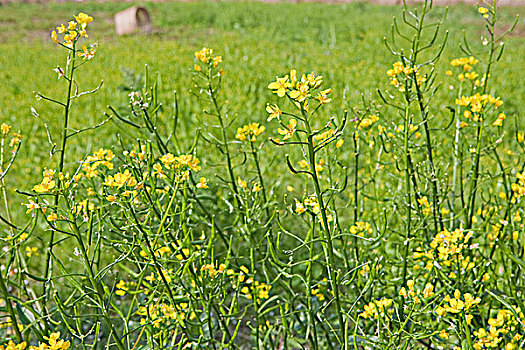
<point x="83" y="19"/>
<point x="203" y="183"/>
<point x="484" y="11"/>
<point x="121" y="288"/>
<point x="242" y="183"/>
<point x="86" y="53"/>
<point x="274" y="111"/>
<point x="301" y="92"/>
<point x="31" y="206"/>
<point x="5" y="129"/>
<point x="280" y="86"/>
<point x="299" y="207"/>
<point x="30" y="251"/>
<point x="204" y="55"/>
<point x="70" y="36"/>
<point x="61" y="29"/>
<point x="216" y="61"/>
<point x="323" y="96"/>
<point x="290" y="129"/>
<point x="54" y="37"/>
<point x="249" y="132"/>
<point x="443" y="334"/>
<point x="46" y="185"/>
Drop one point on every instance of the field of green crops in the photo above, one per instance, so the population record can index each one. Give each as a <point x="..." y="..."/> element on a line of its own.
<point x="185" y="214"/>
<point x="342" y="42"/>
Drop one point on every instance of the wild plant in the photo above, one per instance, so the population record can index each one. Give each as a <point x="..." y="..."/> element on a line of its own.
<point x="395" y="224"/>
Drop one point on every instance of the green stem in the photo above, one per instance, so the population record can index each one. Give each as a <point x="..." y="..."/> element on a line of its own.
<point x="71" y="59"/>
<point x="330" y="255"/>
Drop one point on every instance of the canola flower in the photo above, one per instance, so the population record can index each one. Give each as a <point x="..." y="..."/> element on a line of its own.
<point x="185" y="161"/>
<point x="101" y="158"/>
<point x="476" y="105"/>
<point x="448" y="249"/>
<point x="48" y="182"/>
<point x="458" y="303"/>
<point x="289" y="130"/>
<point x="504" y="331"/>
<point x="53" y="342"/>
<point x="300" y="90"/>
<point x="206" y="56"/>
<point x="378" y="309"/>
<point x="361" y="228"/>
<point x="164" y="314"/>
<point x="74" y="31"/>
<point x="400" y="73"/>
<point x="311" y="204"/>
<point x="249" y="132"/>
<point x="415" y="294"/>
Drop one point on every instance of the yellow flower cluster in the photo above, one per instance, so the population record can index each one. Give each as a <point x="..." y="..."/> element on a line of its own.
<point x="164" y="314"/>
<point x="318" y="167"/>
<point x="53" y="343"/>
<point x="30" y="251"/>
<point x="467" y="63"/>
<point x="367" y="121"/>
<point x="312" y="204"/>
<point x="428" y="291"/>
<point x="122" y="288"/>
<point x="84" y="207"/>
<point x="88" y="53"/>
<point x="484" y="11"/>
<point x="4" y="128"/>
<point x="503" y="332"/>
<point x="261" y="290"/>
<point x="15" y="140"/>
<point x="249" y="132"/>
<point x="360" y="228"/>
<point x="182" y="162"/>
<point x="518" y="187"/>
<point x="205" y="55"/>
<point x="136" y="155"/>
<point x="399" y="72"/>
<point x="318" y="291"/>
<point x="457" y="303"/>
<point x="74" y="30"/>
<point x="328" y="135"/>
<point x="120" y="179"/>
<point x="48" y="182"/>
<point x="300" y="91"/>
<point x="12" y="346"/>
<point x="324" y="135"/>
<point x="4" y="131"/>
<point x="212" y="271"/>
<point x="475" y="105"/>
<point x="449" y="248"/>
<point x="102" y="157"/>
<point x="378" y="309"/>
<point x="423" y="202"/>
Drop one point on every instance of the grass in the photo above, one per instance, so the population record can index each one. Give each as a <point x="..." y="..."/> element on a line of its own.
<point x="343" y="42"/>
